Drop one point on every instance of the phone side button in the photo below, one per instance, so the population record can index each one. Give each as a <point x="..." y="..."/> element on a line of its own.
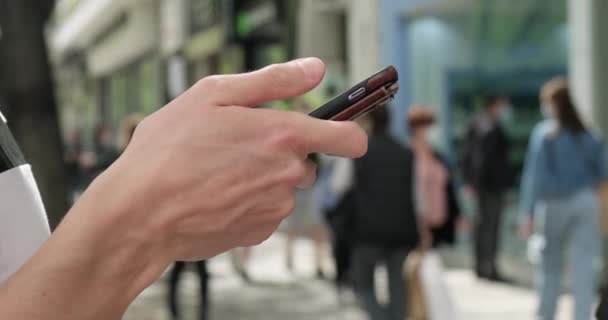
<point x="358" y="93"/>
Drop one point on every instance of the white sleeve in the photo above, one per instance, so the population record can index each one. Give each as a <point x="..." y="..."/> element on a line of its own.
<point x="23" y="223"/>
<point x="342" y="176"/>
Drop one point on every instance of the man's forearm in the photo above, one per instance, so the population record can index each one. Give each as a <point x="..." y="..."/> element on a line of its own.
<point x="160" y="202"/>
<point x="84" y="271"/>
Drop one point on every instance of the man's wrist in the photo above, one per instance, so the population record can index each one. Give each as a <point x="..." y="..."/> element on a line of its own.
<point x="119" y="237"/>
<point x="94" y="265"/>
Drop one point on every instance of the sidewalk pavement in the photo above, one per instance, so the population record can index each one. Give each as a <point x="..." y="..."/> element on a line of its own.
<point x="276" y="294"/>
<point x="482" y="300"/>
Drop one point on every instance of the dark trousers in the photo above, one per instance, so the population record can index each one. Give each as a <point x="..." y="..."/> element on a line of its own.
<point x="365" y="261"/>
<point x="341" y="246"/>
<point x="339" y="222"/>
<point x="602" y="309"/>
<point x="176" y="272"/>
<point x="487" y="233"/>
<point x="342" y="252"/>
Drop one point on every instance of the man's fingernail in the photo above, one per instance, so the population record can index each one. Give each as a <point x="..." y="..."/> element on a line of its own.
<point x="313" y="68"/>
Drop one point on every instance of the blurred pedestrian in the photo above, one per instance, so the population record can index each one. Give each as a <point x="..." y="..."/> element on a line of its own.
<point x="240" y="258"/>
<point x="306" y="217"/>
<point x="335" y="189"/>
<point x="104" y="152"/>
<point x="384" y="223"/>
<point x="436" y="201"/>
<point x="305" y="220"/>
<point x="175" y="276"/>
<point x="73" y="151"/>
<point x="486" y="172"/>
<point x="564" y="167"/>
<point x="438" y="212"/>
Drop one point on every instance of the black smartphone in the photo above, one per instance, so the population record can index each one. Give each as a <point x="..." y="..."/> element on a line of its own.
<point x="365" y="96"/>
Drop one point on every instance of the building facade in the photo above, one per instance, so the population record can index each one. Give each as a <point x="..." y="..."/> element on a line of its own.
<point x="451" y="52"/>
<point x="117" y="57"/>
<point x="114" y="58"/>
<point x="345" y="34"/>
<point x="108" y="62"/>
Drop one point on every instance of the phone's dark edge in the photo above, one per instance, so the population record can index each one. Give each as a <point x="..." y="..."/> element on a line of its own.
<point x="333" y="106"/>
<point x="371" y="84"/>
<point x="10" y="154"/>
<point x="367" y="104"/>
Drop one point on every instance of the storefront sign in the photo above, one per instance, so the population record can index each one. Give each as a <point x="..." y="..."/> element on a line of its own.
<point x="204" y="14"/>
<point x="256" y="20"/>
<point x="248" y="21"/>
<point x="206" y="43"/>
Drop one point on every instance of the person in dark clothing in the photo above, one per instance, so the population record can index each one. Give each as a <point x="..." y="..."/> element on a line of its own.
<point x="176" y="272"/>
<point x="104" y="153"/>
<point x="74" y="171"/>
<point x="486" y="173"/>
<point x="337" y="201"/>
<point x="342" y="244"/>
<point x="384" y="225"/>
<point x="338" y="206"/>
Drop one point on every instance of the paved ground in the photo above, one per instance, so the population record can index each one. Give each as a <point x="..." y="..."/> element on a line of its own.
<point x="276" y="294"/>
<point x="480" y="300"/>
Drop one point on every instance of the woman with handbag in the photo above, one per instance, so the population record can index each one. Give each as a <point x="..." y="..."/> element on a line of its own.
<point x="436" y="200"/>
<point x="438" y="212"/>
<point x="564" y="168"/>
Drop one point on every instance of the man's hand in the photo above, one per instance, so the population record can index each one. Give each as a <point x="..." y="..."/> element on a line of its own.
<point x="205" y="174"/>
<point x="208" y="173"/>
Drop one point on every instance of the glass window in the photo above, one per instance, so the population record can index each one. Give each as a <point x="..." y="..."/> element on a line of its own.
<point x="118" y="98"/>
<point x="269" y="54"/>
<point x="150" y="88"/>
<point x="204" y="14"/>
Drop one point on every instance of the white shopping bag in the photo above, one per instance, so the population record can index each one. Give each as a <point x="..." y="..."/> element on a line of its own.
<point x="534" y="249"/>
<point x="438" y="302"/>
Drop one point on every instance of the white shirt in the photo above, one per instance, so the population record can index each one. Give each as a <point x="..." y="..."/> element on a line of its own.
<point x="23" y="223"/>
<point x="342" y="176"/>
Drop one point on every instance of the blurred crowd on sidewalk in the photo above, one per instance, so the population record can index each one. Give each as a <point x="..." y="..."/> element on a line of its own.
<point x="453" y="164"/>
<point x="395" y="206"/>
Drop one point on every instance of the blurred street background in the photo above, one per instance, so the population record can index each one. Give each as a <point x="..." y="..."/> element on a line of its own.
<point x="76" y="76"/>
<point x="278" y="294"/>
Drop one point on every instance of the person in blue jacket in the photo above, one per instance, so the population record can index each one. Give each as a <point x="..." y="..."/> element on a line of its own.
<point x="564" y="166"/>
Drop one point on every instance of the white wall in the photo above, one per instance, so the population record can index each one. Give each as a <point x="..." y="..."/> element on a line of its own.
<point x="588" y="59"/>
<point x="318" y="35"/>
<point x="172" y="25"/>
<point x="140" y="35"/>
<point x="363" y="39"/>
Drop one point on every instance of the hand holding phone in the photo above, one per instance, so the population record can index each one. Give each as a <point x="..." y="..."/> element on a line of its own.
<point x="365" y="96"/>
